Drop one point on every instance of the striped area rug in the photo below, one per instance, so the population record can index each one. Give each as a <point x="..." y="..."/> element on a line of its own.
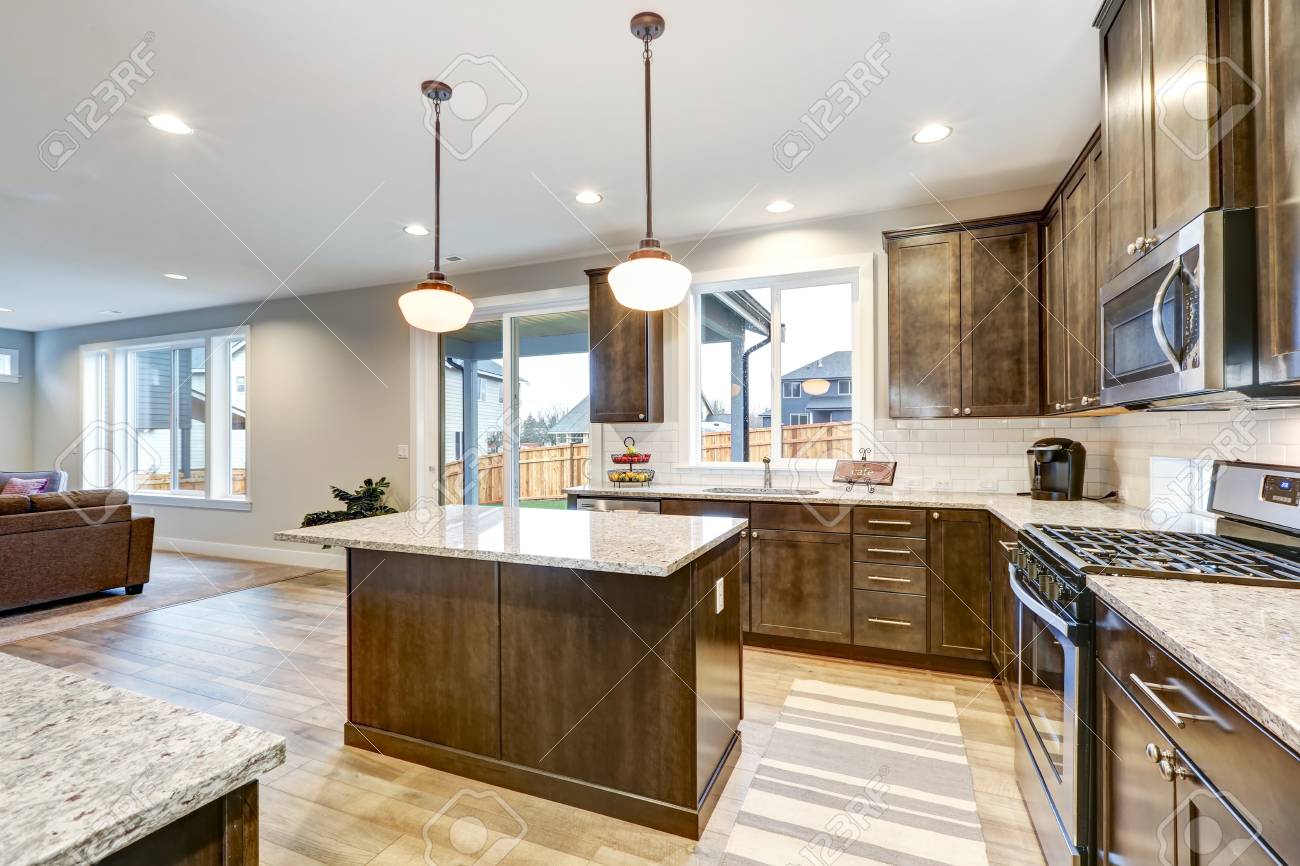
<point x="858" y="777"/>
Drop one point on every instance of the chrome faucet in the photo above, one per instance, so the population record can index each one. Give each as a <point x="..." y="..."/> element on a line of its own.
<point x="767" y="472"/>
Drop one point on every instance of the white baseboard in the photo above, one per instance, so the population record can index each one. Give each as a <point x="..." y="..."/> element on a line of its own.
<point x="333" y="558"/>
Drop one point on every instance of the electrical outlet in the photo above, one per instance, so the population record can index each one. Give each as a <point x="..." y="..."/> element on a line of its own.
<point x="718" y="602"/>
<point x="942" y="485"/>
<point x="912" y="483"/>
<point x="403" y="452"/>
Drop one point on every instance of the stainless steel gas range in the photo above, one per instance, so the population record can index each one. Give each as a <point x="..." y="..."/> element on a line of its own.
<point x="1256" y="542"/>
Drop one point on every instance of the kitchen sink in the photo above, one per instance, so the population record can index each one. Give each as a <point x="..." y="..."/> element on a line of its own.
<point x="763" y="491"/>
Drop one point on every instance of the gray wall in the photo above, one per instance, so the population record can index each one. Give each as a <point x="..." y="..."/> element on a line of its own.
<point x="317" y="415"/>
<point x="16" y="405"/>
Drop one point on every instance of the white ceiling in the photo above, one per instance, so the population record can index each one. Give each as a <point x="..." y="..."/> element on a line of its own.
<point x="307" y="113"/>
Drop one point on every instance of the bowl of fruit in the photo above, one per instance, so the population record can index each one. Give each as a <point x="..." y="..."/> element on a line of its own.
<point x="629" y="456"/>
<point x="630" y="476"/>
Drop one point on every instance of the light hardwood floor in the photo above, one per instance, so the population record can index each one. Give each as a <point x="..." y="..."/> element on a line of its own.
<point x="274" y="657"/>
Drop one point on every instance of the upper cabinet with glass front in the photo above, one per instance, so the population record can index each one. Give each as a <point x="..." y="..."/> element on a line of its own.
<point x="1176" y="93"/>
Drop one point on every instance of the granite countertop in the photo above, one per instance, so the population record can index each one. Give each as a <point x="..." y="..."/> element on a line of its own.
<point x="1015" y="511"/>
<point x="89" y="768"/>
<point x="624" y="542"/>
<point x="1243" y="640"/>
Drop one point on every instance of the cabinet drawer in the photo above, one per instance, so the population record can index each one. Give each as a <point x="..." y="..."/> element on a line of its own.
<point x="908" y="522"/>
<point x="802" y="517"/>
<point x="890" y="550"/>
<point x="1228" y="747"/>
<point x="889" y="620"/>
<point x="889" y="578"/>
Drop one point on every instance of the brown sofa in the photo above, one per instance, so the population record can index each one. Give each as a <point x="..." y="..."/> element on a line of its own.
<point x="60" y="545"/>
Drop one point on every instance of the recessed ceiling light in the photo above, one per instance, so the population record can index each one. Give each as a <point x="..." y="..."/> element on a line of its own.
<point x="110" y="312"/>
<point x="176" y="276"/>
<point x="931" y="133"/>
<point x="453" y="258"/>
<point x="170" y="123"/>
<point x="780" y="206"/>
<point x="588" y="196"/>
<point x="418" y="230"/>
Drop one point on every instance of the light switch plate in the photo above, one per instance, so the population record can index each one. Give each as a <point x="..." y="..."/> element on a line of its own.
<point x="403" y="452"/>
<point x="719" y="602"/>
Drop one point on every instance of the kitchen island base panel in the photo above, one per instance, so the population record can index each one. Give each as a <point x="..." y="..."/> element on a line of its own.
<point x="222" y="833"/>
<point x="616" y="693"/>
<point x="687" y="821"/>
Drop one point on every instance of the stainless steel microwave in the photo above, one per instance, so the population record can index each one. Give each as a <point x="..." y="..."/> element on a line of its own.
<point x="1178" y="326"/>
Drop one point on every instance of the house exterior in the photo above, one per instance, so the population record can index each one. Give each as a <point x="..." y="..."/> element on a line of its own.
<point x="817" y="393"/>
<point x="489" y="411"/>
<point x="574" y="428"/>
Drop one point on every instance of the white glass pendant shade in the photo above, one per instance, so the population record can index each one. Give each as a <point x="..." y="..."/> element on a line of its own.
<point x="434" y="306"/>
<point x="816" y="387"/>
<point x="650" y="284"/>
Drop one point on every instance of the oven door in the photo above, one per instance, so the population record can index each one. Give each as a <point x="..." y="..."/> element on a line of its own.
<point x="1050" y="651"/>
<point x="1153" y="319"/>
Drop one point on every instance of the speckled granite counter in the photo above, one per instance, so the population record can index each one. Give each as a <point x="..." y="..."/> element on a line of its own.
<point x="89" y="769"/>
<point x="1243" y="640"/>
<point x="1015" y="511"/>
<point x="622" y="542"/>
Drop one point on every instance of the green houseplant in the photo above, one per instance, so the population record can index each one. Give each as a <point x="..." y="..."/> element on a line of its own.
<point x="366" y="501"/>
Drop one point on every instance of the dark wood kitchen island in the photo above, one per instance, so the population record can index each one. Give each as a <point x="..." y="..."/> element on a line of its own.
<point x="589" y="658"/>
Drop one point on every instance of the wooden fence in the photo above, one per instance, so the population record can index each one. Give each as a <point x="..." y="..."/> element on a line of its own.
<point x="797" y="440"/>
<point x="543" y="474"/>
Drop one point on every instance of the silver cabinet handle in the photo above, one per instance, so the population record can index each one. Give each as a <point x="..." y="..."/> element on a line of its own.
<point x="934" y="514"/>
<point x="889" y="579"/>
<point x="1157" y="317"/>
<point x="891" y="522"/>
<point x="894" y="550"/>
<point x="956" y="411"/>
<point x="1175" y="718"/>
<point x="1060" y="406"/>
<point x="1132" y="248"/>
<point x="1009" y="546"/>
<point x="754" y="534"/>
<point x="966" y="411"/>
<point x="641" y="415"/>
<point x="899" y="622"/>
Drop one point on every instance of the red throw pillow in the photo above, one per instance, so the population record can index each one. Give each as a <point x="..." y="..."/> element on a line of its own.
<point x="23" y="486"/>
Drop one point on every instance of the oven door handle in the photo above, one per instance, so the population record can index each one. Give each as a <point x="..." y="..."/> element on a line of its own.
<point x="1158" y="319"/>
<point x="1058" y="624"/>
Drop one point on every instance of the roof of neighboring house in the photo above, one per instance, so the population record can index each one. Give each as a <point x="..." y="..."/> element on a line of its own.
<point x="836" y="365"/>
<point x="830" y="401"/>
<point x="575" y="420"/>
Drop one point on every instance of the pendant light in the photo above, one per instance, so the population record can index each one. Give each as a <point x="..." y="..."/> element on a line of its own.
<point x="434" y="304"/>
<point x="649" y="280"/>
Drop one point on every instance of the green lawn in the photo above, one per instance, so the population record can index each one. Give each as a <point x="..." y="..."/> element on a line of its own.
<point x="545" y="503"/>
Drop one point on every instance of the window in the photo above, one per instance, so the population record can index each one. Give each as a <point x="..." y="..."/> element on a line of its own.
<point x="788" y="398"/>
<point x="9" y="365"/>
<point x="168" y="417"/>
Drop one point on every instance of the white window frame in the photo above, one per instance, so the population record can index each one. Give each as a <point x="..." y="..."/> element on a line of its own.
<point x="793" y="393"/>
<point x="855" y="270"/>
<point x="844" y="387"/>
<point x="15" y="373"/>
<point x="807" y="416"/>
<point x="106" y="430"/>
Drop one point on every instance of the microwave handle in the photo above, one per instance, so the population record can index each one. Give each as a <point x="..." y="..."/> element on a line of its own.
<point x="1157" y="317"/>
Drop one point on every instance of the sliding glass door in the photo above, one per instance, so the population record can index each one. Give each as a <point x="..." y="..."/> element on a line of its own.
<point x="515" y="423"/>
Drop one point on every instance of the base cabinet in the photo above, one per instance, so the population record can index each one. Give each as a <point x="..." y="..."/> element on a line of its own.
<point x="959" y="584"/>
<point x="800" y="585"/>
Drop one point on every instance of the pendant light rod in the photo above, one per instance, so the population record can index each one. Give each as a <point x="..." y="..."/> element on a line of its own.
<point x="438" y="93"/>
<point x="648" y="26"/>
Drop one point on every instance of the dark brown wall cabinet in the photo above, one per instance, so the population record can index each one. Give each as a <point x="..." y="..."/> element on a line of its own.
<point x="1276" y="24"/>
<point x="626" y="358"/>
<point x="1165" y="161"/>
<point x="964" y="320"/>
<point x="959" y="584"/>
<point x="1072" y="237"/>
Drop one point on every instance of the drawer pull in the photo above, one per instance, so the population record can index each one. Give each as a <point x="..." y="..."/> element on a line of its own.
<point x="891" y="522"/>
<point x="889" y="579"/>
<point x="1175" y="718"/>
<point x="890" y="550"/>
<point x="1009" y="546"/>
<point x="899" y="622"/>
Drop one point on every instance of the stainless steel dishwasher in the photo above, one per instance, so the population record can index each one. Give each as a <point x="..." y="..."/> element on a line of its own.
<point x="645" y="506"/>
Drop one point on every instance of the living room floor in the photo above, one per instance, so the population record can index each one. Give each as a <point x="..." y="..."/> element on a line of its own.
<point x="274" y="656"/>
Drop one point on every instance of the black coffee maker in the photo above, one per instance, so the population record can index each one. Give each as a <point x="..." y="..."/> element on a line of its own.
<point x="1056" y="469"/>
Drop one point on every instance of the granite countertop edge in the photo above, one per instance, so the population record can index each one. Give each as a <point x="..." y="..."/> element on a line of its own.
<point x="1284" y="729"/>
<point x="187" y="800"/>
<point x="578" y="564"/>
